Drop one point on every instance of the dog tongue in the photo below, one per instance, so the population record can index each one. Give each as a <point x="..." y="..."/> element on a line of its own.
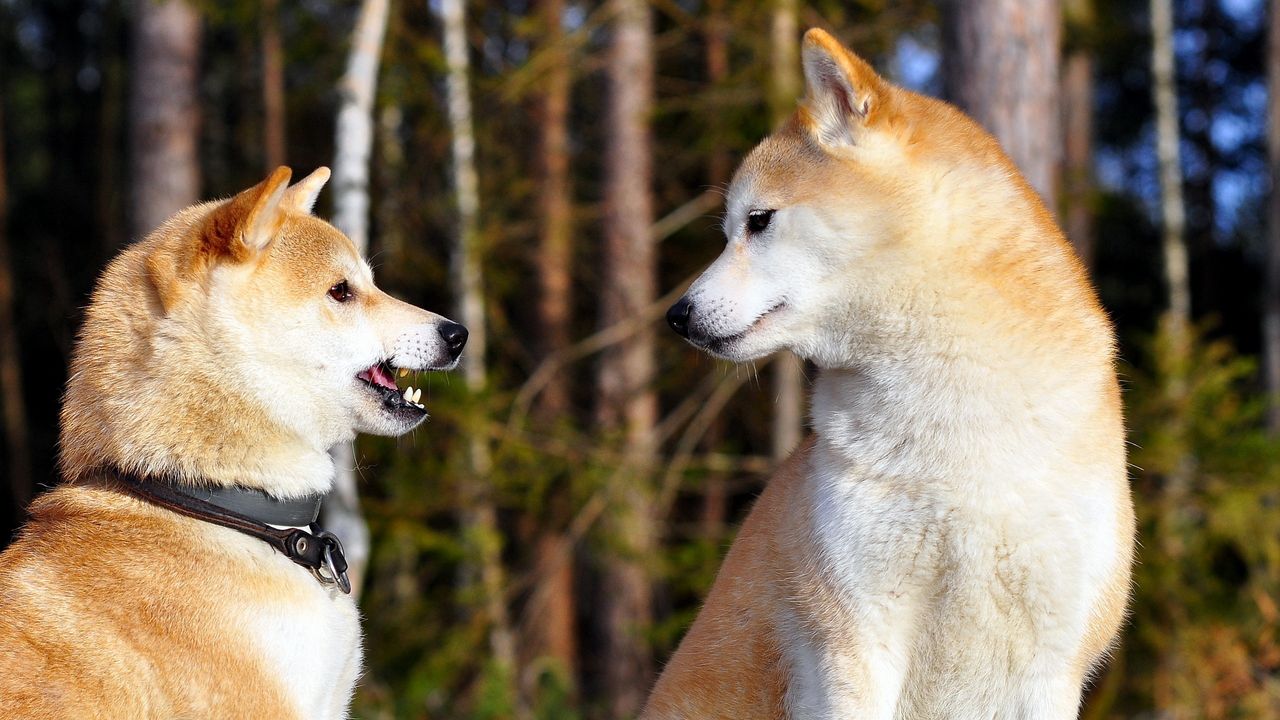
<point x="378" y="376"/>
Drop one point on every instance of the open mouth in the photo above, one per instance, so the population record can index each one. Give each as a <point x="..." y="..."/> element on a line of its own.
<point x="381" y="379"/>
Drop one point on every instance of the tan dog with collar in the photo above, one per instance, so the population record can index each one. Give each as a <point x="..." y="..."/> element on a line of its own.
<point x="234" y="346"/>
<point x="955" y="541"/>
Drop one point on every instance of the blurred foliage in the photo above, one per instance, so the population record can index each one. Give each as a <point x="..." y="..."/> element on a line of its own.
<point x="1205" y="635"/>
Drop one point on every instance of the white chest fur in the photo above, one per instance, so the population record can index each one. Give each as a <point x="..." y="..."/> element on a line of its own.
<point x="959" y="588"/>
<point x="307" y="634"/>
<point x="315" y="647"/>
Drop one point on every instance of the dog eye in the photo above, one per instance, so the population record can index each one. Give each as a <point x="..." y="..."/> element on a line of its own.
<point x="340" y="292"/>
<point x="758" y="221"/>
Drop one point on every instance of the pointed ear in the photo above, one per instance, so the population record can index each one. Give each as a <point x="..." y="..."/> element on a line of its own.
<point x="841" y="90"/>
<point x="247" y="223"/>
<point x="302" y="196"/>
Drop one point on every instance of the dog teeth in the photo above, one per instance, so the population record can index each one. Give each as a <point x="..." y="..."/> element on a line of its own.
<point x="414" y="397"/>
<point x="403" y="372"/>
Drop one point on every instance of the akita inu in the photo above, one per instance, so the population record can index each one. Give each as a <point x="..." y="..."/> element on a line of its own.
<point x="220" y="359"/>
<point x="955" y="540"/>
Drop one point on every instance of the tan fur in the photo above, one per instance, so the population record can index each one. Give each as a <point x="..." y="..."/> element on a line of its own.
<point x="99" y="597"/>
<point x="954" y="267"/>
<point x="111" y="607"/>
<point x="730" y="663"/>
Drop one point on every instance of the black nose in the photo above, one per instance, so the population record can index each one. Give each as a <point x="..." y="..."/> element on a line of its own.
<point x="455" y="336"/>
<point x="678" y="316"/>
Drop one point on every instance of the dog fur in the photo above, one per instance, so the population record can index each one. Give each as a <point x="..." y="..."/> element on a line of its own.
<point x="955" y="540"/>
<point x="213" y="352"/>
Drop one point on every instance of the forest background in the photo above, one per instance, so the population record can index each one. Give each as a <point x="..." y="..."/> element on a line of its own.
<point x="549" y="172"/>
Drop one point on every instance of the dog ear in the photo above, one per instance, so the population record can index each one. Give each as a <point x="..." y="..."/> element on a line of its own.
<point x="246" y="224"/>
<point x="302" y="196"/>
<point x="842" y="91"/>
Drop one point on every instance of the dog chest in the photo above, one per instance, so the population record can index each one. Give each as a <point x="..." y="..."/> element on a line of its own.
<point x="314" y="646"/>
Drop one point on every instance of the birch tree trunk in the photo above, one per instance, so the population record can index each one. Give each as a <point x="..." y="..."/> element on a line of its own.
<point x="626" y="401"/>
<point x="1177" y="328"/>
<point x="17" y="452"/>
<point x="164" y="131"/>
<point x="1077" y="120"/>
<point x="1001" y="67"/>
<point x="478" y="513"/>
<point x="549" y="626"/>
<point x="273" y="112"/>
<point x="352" y="147"/>
<point x="1271" y="288"/>
<point x="1172" y="211"/>
<point x="788" y="373"/>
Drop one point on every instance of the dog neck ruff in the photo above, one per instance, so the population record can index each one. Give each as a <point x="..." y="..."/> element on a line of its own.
<point x="253" y="512"/>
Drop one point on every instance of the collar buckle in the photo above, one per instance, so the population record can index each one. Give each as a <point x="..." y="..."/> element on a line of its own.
<point x="319" y="550"/>
<point x="334" y="569"/>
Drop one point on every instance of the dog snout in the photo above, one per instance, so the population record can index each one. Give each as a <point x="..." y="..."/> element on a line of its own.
<point x="454" y="336"/>
<point x="678" y="316"/>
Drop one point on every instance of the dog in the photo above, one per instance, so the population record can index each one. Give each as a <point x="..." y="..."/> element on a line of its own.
<point x="955" y="539"/>
<point x="173" y="574"/>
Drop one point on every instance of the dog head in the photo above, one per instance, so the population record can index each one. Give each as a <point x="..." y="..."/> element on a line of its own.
<point x="309" y="333"/>
<point x="846" y="198"/>
<point x="241" y="330"/>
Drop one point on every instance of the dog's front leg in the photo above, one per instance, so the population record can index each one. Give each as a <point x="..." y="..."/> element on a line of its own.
<point x="857" y="673"/>
<point x="837" y="686"/>
<point x="1046" y="694"/>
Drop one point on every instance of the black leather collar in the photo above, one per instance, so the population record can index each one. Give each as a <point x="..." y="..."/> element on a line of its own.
<point x="259" y="506"/>
<point x="253" y="512"/>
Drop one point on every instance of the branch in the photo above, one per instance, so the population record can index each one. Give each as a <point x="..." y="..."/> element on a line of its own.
<point x="688" y="407"/>
<point x="589" y="345"/>
<point x="693" y="434"/>
<point x="677" y="219"/>
<point x="619" y="332"/>
<point x="526" y="77"/>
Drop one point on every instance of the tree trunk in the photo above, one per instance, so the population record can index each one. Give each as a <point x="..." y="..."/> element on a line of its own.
<point x="1271" y="292"/>
<point x="1172" y="509"/>
<point x="550" y="617"/>
<point x="784" y="76"/>
<point x="717" y="33"/>
<point x="551" y="610"/>
<point x="1001" y="67"/>
<point x="1172" y="212"/>
<point x="352" y="147"/>
<point x="1077" y="120"/>
<point x="478" y="513"/>
<point x="788" y="372"/>
<point x="715" y="496"/>
<point x="556" y="232"/>
<point x="626" y="401"/>
<point x="17" y="452"/>
<point x="164" y="134"/>
<point x="273" y="122"/>
<point x="390" y="210"/>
